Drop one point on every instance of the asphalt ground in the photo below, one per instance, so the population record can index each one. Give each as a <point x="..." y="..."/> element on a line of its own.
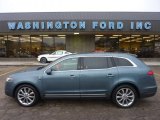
<point x="71" y="109"/>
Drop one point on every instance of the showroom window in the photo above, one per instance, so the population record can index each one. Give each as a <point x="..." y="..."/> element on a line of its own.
<point x="157" y="46"/>
<point x="3" y="51"/>
<point x="53" y="43"/>
<point x="107" y="43"/>
<point x="13" y="46"/>
<point x="60" y="43"/>
<point x="36" y="45"/>
<point x="48" y="44"/>
<point x="25" y="48"/>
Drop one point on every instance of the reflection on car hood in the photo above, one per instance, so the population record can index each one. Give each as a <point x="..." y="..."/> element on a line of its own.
<point x="27" y="72"/>
<point x="30" y="69"/>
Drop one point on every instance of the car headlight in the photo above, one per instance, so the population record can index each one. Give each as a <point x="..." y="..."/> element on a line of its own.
<point x="9" y="79"/>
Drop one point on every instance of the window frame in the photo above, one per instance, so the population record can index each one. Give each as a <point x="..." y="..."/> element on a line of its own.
<point x="50" y="66"/>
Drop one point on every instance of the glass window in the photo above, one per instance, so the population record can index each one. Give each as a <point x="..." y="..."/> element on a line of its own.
<point x="157" y="46"/>
<point x="122" y="62"/>
<point x="52" y="43"/>
<point x="146" y="46"/>
<point x="25" y="48"/>
<point x="68" y="64"/>
<point x="13" y="46"/>
<point x="106" y="43"/>
<point x="124" y="43"/>
<point x="94" y="62"/>
<point x="2" y="47"/>
<point x="59" y="52"/>
<point x="48" y="44"/>
<point x="60" y="43"/>
<point x="36" y="46"/>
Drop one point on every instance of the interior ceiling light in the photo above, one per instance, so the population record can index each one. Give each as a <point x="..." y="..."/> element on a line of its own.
<point x="117" y="35"/>
<point x="146" y="37"/>
<point x="112" y="37"/>
<point x="136" y="35"/>
<point x="44" y="35"/>
<point x="99" y="35"/>
<point x="76" y="33"/>
<point x="61" y="35"/>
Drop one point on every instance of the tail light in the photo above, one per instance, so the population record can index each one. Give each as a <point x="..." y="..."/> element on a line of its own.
<point x="150" y="73"/>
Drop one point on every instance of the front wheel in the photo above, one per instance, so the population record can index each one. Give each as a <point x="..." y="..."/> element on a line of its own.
<point x="26" y="95"/>
<point x="43" y="60"/>
<point x="124" y="96"/>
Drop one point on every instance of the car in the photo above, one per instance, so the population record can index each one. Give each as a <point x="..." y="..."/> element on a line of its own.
<point x="121" y="77"/>
<point x="53" y="56"/>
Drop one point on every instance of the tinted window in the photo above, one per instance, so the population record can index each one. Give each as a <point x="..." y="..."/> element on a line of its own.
<point x="122" y="62"/>
<point x="94" y="62"/>
<point x="69" y="64"/>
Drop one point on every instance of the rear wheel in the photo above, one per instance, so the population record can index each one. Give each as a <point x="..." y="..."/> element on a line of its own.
<point x="26" y="95"/>
<point x="124" y="96"/>
<point x="43" y="60"/>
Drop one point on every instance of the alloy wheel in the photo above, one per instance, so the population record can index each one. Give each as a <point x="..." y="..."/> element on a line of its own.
<point x="26" y="95"/>
<point x="125" y="97"/>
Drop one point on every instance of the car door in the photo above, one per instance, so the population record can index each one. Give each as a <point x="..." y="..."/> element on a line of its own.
<point x="96" y="77"/>
<point x="63" y="80"/>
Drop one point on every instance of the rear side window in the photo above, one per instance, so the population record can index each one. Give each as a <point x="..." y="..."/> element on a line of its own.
<point x="94" y="62"/>
<point x="122" y="62"/>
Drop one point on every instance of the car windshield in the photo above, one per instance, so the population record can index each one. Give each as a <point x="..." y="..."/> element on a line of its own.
<point x="53" y="53"/>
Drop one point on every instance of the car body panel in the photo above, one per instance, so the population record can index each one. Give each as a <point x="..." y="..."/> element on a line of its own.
<point x="60" y="83"/>
<point x="86" y="83"/>
<point x="102" y="79"/>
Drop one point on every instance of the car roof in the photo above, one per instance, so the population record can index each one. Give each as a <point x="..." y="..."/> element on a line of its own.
<point x="109" y="54"/>
<point x="99" y="54"/>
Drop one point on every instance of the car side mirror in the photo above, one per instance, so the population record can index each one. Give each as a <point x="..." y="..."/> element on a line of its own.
<point x="49" y="71"/>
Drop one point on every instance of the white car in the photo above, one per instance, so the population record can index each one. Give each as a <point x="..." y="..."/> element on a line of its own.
<point x="53" y="56"/>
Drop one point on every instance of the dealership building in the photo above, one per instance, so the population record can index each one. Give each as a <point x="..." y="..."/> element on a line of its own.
<point x="26" y="35"/>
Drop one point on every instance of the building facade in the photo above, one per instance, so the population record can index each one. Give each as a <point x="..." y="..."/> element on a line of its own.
<point x="31" y="34"/>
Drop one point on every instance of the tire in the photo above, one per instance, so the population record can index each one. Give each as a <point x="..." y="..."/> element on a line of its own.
<point x="43" y="60"/>
<point x="26" y="95"/>
<point x="124" y="96"/>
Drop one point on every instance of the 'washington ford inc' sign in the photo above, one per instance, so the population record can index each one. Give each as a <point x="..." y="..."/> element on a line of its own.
<point x="79" y="25"/>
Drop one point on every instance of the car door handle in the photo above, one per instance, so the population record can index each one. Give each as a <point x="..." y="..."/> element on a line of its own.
<point x="110" y="75"/>
<point x="72" y="75"/>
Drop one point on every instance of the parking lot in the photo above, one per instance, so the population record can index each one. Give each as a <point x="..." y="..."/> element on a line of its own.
<point x="71" y="109"/>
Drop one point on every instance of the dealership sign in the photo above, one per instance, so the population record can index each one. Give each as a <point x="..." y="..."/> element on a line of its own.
<point x="79" y="25"/>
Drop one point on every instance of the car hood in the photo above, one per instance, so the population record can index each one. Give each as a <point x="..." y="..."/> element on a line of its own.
<point x="34" y="71"/>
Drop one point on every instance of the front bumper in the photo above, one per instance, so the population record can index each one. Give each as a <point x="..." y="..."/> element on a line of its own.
<point x="9" y="89"/>
<point x="38" y="58"/>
